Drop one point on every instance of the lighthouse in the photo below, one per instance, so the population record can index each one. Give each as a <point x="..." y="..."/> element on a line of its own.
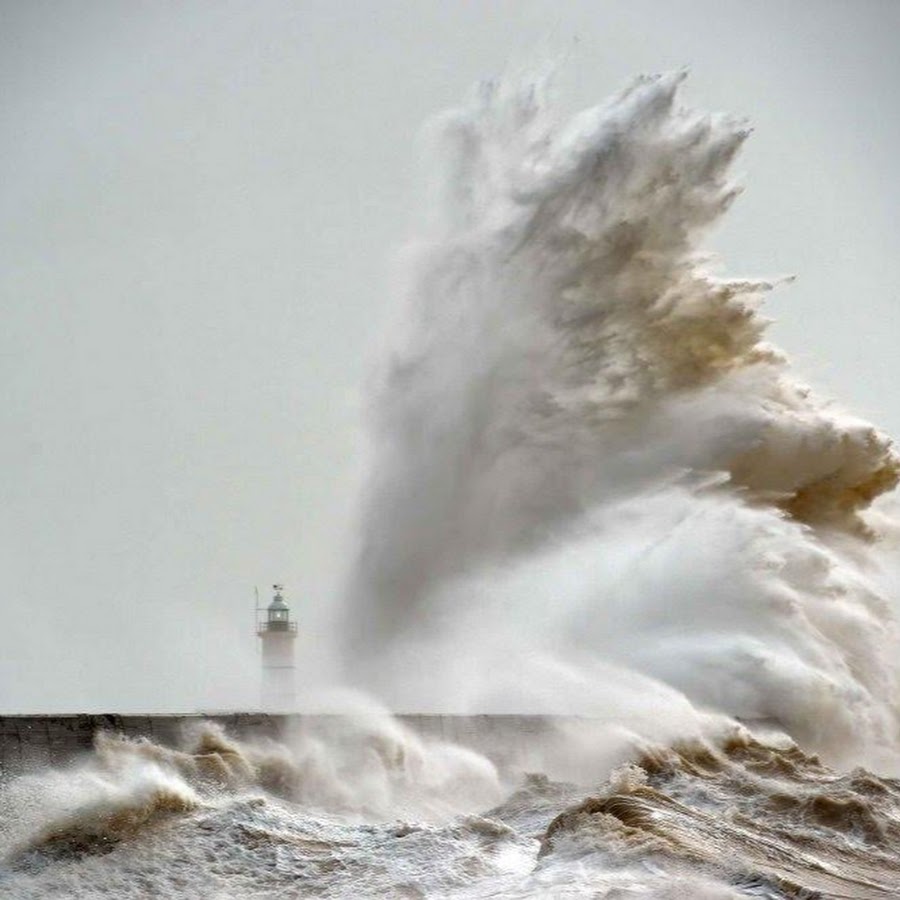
<point x="277" y="633"/>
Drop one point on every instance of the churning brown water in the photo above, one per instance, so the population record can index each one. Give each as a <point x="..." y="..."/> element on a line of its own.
<point x="370" y="809"/>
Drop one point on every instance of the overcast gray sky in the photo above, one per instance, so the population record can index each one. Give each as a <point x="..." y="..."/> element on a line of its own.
<point x="197" y="204"/>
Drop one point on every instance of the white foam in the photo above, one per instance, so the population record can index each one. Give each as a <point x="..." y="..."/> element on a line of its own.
<point x="594" y="487"/>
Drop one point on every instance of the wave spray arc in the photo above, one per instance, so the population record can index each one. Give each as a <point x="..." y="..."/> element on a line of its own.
<point x="594" y="486"/>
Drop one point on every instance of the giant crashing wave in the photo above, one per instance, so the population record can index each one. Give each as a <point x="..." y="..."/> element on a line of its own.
<point x="595" y="490"/>
<point x="594" y="487"/>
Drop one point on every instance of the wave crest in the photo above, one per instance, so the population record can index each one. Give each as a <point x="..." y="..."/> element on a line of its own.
<point x="586" y="456"/>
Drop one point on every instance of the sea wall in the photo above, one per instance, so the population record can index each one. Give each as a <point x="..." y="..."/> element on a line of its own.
<point x="32" y="742"/>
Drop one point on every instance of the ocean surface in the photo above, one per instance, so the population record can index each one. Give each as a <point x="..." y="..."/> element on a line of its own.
<point x="369" y="809"/>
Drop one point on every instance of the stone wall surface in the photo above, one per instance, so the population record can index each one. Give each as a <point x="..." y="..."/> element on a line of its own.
<point x="32" y="742"/>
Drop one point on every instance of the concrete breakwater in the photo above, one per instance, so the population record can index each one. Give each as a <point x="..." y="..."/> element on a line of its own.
<point x="32" y="742"/>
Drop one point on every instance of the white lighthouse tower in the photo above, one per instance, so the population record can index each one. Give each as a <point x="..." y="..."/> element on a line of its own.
<point x="278" y="633"/>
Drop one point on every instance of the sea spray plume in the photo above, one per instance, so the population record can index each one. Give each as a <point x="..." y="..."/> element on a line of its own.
<point x="568" y="378"/>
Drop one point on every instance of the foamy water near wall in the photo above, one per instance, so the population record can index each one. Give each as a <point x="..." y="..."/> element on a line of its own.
<point x="29" y="743"/>
<point x="373" y="805"/>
